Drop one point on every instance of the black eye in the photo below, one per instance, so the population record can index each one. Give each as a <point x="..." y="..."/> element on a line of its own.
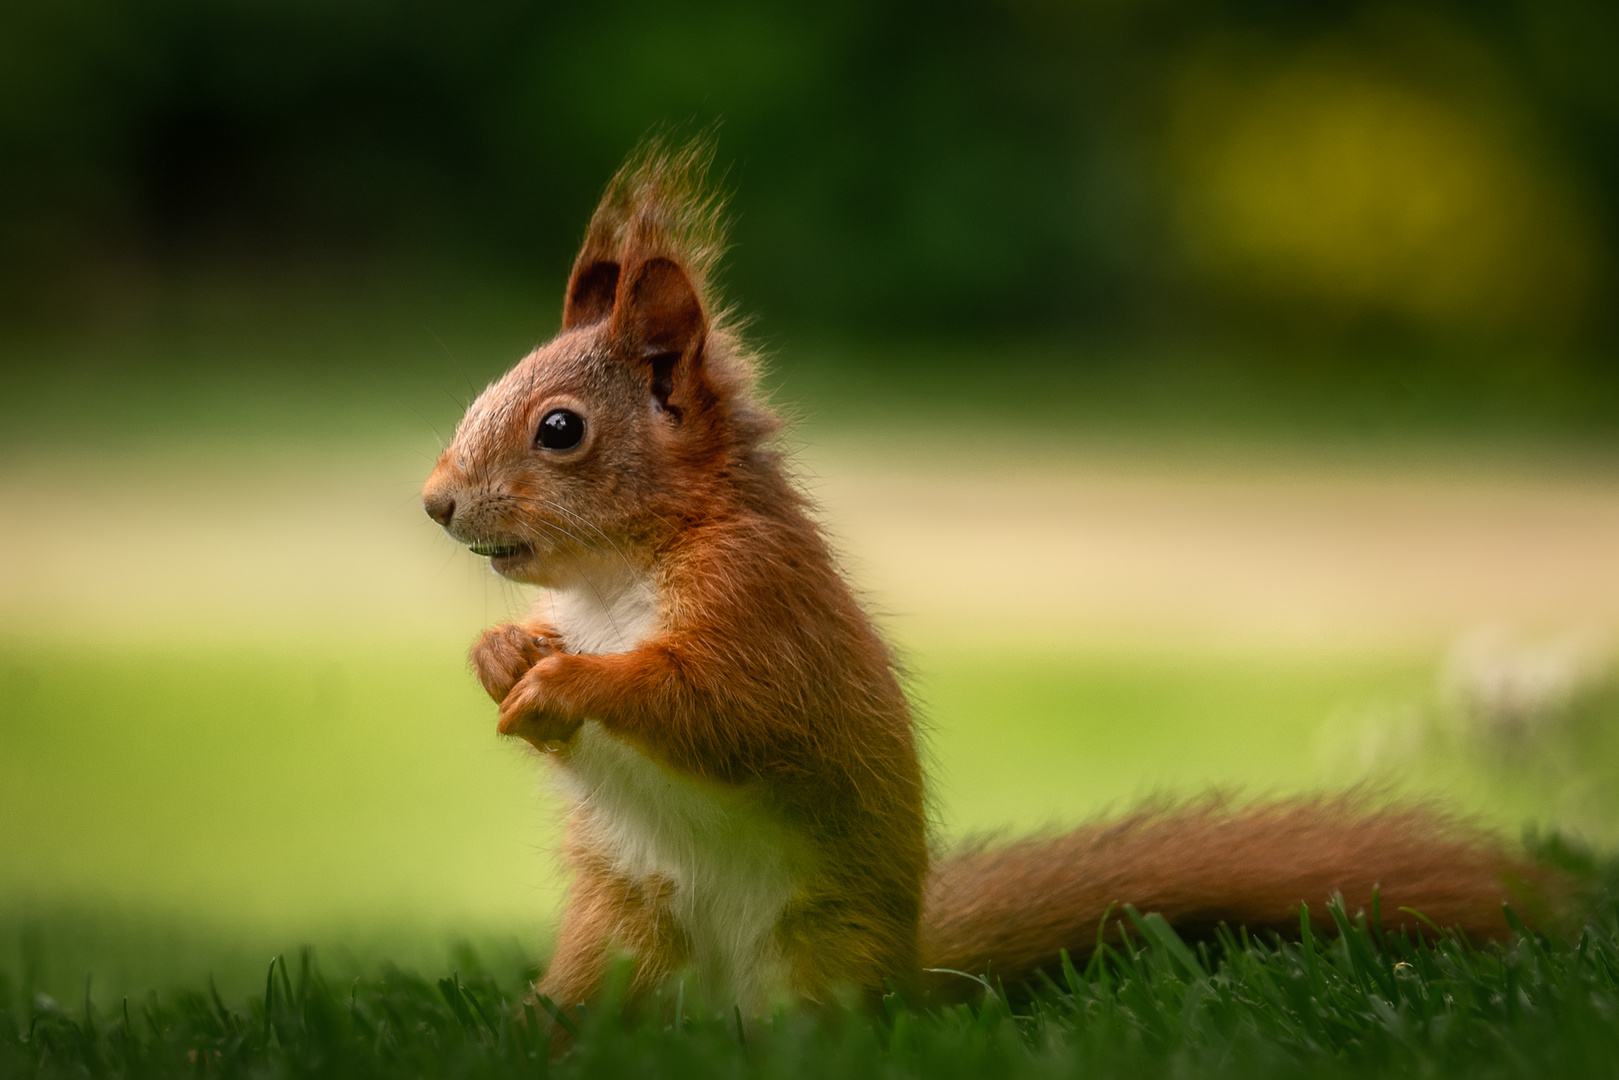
<point x="561" y="429"/>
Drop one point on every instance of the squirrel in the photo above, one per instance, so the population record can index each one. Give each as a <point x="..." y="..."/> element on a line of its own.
<point x="739" y="759"/>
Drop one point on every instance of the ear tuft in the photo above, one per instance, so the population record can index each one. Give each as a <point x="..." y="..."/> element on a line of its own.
<point x="590" y="293"/>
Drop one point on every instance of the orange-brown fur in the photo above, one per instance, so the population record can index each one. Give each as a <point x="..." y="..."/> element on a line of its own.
<point x="761" y="675"/>
<point x="1010" y="907"/>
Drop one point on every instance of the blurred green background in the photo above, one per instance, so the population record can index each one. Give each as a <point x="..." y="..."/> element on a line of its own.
<point x="1205" y="394"/>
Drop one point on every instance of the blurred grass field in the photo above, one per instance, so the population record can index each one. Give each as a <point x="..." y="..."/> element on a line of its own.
<point x="285" y="794"/>
<point x="234" y="711"/>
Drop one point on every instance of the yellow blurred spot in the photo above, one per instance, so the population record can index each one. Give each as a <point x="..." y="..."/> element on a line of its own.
<point x="1325" y="178"/>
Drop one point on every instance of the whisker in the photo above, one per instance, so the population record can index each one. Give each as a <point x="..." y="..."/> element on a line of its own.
<point x="437" y="434"/>
<point x="584" y="570"/>
<point x="598" y="529"/>
<point x="536" y="527"/>
<point x="553" y="526"/>
<point x="547" y="503"/>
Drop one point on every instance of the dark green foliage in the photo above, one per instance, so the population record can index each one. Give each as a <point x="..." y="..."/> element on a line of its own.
<point x="899" y="164"/>
<point x="1358" y="1005"/>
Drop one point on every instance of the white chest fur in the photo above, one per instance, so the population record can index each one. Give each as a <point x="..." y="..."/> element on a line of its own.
<point x="733" y="867"/>
<point x="602" y="608"/>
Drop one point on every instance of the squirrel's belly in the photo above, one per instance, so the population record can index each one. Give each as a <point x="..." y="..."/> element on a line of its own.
<point x="733" y="865"/>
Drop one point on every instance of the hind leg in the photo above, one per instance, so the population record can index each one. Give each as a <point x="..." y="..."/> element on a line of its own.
<point x="609" y="919"/>
<point x="850" y="945"/>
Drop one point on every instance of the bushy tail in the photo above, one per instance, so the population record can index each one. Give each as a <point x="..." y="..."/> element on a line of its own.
<point x="1011" y="908"/>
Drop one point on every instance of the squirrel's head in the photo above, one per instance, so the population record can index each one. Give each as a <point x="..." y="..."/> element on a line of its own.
<point x="629" y="421"/>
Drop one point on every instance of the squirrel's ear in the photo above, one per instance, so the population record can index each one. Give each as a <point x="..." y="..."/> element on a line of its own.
<point x="659" y="316"/>
<point x="591" y="290"/>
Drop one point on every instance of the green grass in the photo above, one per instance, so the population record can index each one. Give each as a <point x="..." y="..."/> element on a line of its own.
<point x="1357" y="1005"/>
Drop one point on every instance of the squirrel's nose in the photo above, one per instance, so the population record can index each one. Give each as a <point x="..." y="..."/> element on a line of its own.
<point x="440" y="507"/>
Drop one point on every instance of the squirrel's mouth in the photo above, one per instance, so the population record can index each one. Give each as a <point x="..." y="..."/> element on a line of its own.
<point x="503" y="557"/>
<point x="492" y="550"/>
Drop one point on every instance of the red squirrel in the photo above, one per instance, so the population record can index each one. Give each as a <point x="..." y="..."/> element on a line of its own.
<point x="740" y="761"/>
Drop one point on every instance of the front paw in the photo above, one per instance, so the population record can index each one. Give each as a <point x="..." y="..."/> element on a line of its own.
<point x="532" y="710"/>
<point x="504" y="654"/>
